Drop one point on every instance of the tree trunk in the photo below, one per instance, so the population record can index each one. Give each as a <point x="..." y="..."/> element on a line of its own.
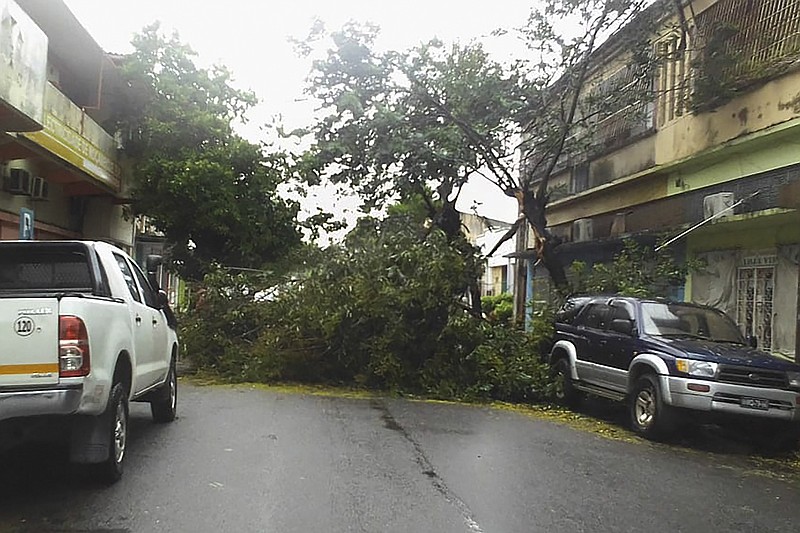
<point x="449" y="221"/>
<point x="533" y="207"/>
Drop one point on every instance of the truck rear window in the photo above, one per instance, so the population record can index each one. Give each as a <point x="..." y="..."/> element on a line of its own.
<point x="29" y="268"/>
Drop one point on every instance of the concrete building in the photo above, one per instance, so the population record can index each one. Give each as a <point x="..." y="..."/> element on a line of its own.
<point x="498" y="275"/>
<point x="61" y="170"/>
<point x="714" y="154"/>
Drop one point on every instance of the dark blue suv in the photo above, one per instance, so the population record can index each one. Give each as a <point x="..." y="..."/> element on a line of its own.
<point x="669" y="358"/>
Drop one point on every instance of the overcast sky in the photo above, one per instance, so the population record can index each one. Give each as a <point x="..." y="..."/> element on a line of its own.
<point x="250" y="37"/>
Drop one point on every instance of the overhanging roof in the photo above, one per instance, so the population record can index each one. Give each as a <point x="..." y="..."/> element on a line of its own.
<point x="69" y="42"/>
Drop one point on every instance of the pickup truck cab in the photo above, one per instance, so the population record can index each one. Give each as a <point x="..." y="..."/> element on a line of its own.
<point x="667" y="359"/>
<point x="83" y="333"/>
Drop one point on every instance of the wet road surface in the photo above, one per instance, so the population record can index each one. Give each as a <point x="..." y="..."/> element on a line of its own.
<point x="248" y="459"/>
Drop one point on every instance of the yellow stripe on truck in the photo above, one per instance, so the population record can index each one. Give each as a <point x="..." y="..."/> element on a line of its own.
<point x="9" y="370"/>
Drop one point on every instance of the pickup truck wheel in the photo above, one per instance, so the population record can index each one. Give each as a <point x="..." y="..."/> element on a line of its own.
<point x="650" y="416"/>
<point x="565" y="392"/>
<point x="165" y="406"/>
<point x="110" y="470"/>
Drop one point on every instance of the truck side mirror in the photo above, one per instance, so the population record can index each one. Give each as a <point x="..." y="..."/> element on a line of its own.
<point x="163" y="299"/>
<point x="152" y="263"/>
<point x="752" y="341"/>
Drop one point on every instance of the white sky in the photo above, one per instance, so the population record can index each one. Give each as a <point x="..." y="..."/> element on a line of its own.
<point x="250" y="37"/>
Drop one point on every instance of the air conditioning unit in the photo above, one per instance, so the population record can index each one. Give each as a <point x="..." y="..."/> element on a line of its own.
<point x="40" y="189"/>
<point x="18" y="181"/>
<point x="582" y="230"/>
<point x="713" y="204"/>
<point x="618" y="225"/>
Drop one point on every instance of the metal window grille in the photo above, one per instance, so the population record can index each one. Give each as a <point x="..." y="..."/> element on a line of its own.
<point x="673" y="84"/>
<point x="767" y="34"/>
<point x="755" y="289"/>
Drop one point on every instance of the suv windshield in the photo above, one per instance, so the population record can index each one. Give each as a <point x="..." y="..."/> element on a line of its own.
<point x="677" y="320"/>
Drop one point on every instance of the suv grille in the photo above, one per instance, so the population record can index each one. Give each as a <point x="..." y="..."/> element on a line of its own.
<point x="754" y="377"/>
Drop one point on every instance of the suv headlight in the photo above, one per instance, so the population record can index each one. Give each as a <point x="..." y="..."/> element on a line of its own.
<point x="702" y="369"/>
<point x="794" y="380"/>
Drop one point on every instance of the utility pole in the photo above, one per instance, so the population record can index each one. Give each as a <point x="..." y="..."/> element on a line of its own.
<point x="521" y="274"/>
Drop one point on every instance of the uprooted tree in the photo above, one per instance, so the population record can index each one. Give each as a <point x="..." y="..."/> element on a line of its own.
<point x="388" y="132"/>
<point x="425" y="120"/>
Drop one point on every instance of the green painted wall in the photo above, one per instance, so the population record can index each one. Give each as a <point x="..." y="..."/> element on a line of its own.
<point x="758" y="155"/>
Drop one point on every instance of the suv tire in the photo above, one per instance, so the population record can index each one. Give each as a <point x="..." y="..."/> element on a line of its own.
<point x="650" y="416"/>
<point x="565" y="392"/>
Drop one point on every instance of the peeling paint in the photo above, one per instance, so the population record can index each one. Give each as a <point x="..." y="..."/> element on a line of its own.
<point x="793" y="104"/>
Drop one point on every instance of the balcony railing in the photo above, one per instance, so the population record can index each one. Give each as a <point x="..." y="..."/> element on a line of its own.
<point x="741" y="42"/>
<point x="71" y="134"/>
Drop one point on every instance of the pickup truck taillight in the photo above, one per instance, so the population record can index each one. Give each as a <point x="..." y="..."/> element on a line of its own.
<point x="73" y="347"/>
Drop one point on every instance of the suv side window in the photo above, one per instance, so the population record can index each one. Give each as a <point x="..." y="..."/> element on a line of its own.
<point x="621" y="310"/>
<point x="595" y="316"/>
<point x="570" y="310"/>
<point x="128" y="275"/>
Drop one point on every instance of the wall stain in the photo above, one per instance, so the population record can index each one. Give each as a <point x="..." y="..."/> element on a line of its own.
<point x="793" y="104"/>
<point x="743" y="113"/>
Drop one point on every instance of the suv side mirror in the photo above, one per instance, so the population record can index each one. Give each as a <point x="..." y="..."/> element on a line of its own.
<point x="624" y="326"/>
<point x="162" y="300"/>
<point x="752" y="341"/>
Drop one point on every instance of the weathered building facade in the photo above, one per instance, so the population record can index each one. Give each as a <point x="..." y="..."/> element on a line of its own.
<point x="713" y="153"/>
<point x="60" y="163"/>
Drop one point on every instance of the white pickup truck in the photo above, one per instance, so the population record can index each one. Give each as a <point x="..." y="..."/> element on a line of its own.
<point x="82" y="333"/>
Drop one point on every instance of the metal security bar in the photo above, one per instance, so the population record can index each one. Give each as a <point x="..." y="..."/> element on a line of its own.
<point x="760" y="34"/>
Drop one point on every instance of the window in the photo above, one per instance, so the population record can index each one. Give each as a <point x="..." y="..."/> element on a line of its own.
<point x="621" y="310"/>
<point x="147" y="291"/>
<point x="621" y="107"/>
<point x="754" y="299"/>
<point x="579" y="178"/>
<point x="45" y="268"/>
<point x="674" y="78"/>
<point x="128" y="275"/>
<point x="595" y="316"/>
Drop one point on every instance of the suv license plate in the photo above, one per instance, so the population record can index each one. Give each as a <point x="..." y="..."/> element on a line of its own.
<point x="755" y="403"/>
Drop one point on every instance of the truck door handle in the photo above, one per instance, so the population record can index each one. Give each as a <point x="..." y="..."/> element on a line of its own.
<point x="138" y="320"/>
<point x="155" y="322"/>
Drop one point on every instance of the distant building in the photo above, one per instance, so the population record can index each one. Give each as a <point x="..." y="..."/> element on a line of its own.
<point x="499" y="268"/>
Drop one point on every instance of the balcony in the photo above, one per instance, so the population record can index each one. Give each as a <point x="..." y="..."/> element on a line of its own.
<point x="73" y="136"/>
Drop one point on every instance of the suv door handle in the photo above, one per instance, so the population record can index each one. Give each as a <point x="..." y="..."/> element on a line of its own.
<point x="138" y="320"/>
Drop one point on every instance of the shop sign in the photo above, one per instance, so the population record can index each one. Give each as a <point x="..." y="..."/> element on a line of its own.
<point x="760" y="260"/>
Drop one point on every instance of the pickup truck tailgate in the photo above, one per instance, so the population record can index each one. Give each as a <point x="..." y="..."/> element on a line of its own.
<point x="29" y="348"/>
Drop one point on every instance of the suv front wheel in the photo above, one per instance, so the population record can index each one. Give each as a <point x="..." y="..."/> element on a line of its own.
<point x="650" y="416"/>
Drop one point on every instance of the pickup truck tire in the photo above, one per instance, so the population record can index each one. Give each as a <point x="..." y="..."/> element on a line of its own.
<point x="110" y="470"/>
<point x="165" y="405"/>
<point x="650" y="416"/>
<point x="565" y="393"/>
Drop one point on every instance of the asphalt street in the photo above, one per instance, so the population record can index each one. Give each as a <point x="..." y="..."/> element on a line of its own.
<point x="250" y="459"/>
